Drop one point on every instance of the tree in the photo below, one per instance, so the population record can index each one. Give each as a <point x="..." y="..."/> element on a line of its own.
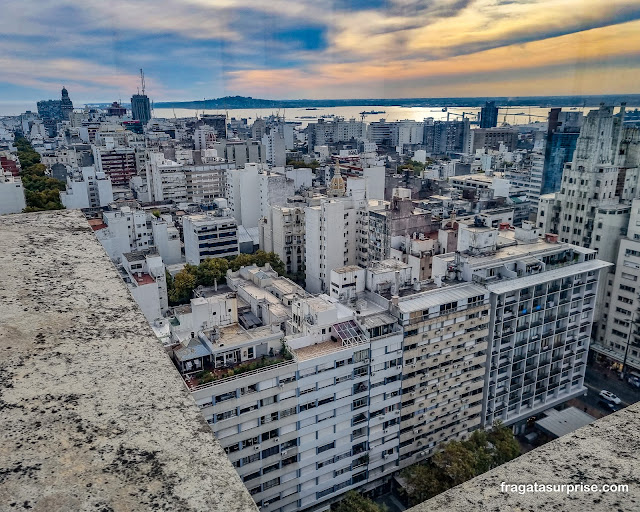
<point x="355" y="502"/>
<point x="241" y="260"/>
<point x="506" y="446"/>
<point x="423" y="482"/>
<point x="183" y="286"/>
<point x="210" y="271"/>
<point x="479" y="446"/>
<point x="41" y="191"/>
<point x="455" y="462"/>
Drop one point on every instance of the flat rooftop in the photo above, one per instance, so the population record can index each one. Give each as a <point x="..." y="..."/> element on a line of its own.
<point x="561" y="423"/>
<point x="94" y="414"/>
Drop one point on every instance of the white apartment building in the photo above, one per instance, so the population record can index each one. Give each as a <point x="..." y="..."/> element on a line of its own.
<point x="209" y="236"/>
<point x="543" y="296"/>
<point x="243" y="194"/>
<point x="303" y="431"/>
<point x="527" y="175"/>
<point x="124" y="230"/>
<point x="166" y="179"/>
<point x="331" y="231"/>
<point x="87" y="188"/>
<point x="275" y="150"/>
<point x="166" y="239"/>
<point x="275" y="190"/>
<point x="185" y="181"/>
<point x="241" y="152"/>
<point x="12" y="198"/>
<point x="338" y="130"/>
<point x="144" y="275"/>
<point x="252" y="190"/>
<point x="282" y="231"/>
<point x="619" y="340"/>
<point x="592" y="207"/>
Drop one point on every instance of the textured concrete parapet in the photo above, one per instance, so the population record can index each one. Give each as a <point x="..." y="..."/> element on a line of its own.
<point x="603" y="453"/>
<point x="93" y="415"/>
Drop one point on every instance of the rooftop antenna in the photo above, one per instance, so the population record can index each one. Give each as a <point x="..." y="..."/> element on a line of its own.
<point x="142" y="80"/>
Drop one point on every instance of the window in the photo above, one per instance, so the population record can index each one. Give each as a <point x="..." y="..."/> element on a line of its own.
<point x="326" y="447"/>
<point x="271" y="483"/>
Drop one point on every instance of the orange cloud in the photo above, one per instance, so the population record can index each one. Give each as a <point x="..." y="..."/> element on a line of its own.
<point x="578" y="49"/>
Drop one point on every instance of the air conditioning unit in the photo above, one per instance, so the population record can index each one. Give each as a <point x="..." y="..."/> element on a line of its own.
<point x="276" y="439"/>
<point x="413" y="365"/>
<point x="423" y="454"/>
<point x="413" y="393"/>
<point x="366" y="361"/>
<point x="257" y="448"/>
<point x="385" y="431"/>
<point x="421" y="417"/>
<point x="283" y="452"/>
<point x="281" y="384"/>
<point x="386" y="455"/>
<point x="399" y="367"/>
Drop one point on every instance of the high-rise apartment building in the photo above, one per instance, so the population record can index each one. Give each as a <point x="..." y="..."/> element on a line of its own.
<point x="543" y="296"/>
<point x="489" y="115"/>
<point x="444" y="353"/>
<point x="282" y="230"/>
<point x="562" y="134"/>
<point x="335" y="231"/>
<point x="338" y="130"/>
<point x="446" y="137"/>
<point x="307" y="428"/>
<point x="141" y="108"/>
<point x="118" y="163"/>
<point x="619" y="339"/>
<point x="592" y="207"/>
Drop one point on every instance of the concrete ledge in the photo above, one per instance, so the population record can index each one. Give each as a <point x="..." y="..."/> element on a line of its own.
<point x="93" y="415"/>
<point x="604" y="452"/>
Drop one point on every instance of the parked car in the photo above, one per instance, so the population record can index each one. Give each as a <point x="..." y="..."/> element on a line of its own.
<point x="634" y="381"/>
<point x="609" y="396"/>
<point x="608" y="405"/>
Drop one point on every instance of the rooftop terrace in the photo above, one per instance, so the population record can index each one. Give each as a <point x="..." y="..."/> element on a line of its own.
<point x="94" y="414"/>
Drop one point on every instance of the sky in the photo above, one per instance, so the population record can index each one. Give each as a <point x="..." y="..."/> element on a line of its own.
<point x="291" y="49"/>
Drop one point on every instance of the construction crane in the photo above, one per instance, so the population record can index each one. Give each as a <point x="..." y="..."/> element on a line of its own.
<point x="506" y="113"/>
<point x="463" y="114"/>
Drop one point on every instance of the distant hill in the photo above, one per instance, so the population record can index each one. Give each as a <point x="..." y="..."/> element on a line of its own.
<point x="247" y="102"/>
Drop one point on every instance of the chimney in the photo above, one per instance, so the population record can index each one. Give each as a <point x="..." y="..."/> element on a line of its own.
<point x="395" y="300"/>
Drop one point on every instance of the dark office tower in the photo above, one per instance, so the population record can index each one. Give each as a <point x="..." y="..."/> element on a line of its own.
<point x="562" y="135"/>
<point x="66" y="106"/>
<point x="218" y="122"/>
<point x="141" y="108"/>
<point x="489" y="115"/>
<point x="49" y="109"/>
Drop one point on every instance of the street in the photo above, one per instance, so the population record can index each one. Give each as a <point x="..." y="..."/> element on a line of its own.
<point x="597" y="378"/>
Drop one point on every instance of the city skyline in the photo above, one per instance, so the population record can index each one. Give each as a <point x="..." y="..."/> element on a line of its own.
<point x="192" y="50"/>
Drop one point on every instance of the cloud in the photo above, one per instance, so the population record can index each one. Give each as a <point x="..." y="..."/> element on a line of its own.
<point x="197" y="48"/>
<point x="570" y="51"/>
